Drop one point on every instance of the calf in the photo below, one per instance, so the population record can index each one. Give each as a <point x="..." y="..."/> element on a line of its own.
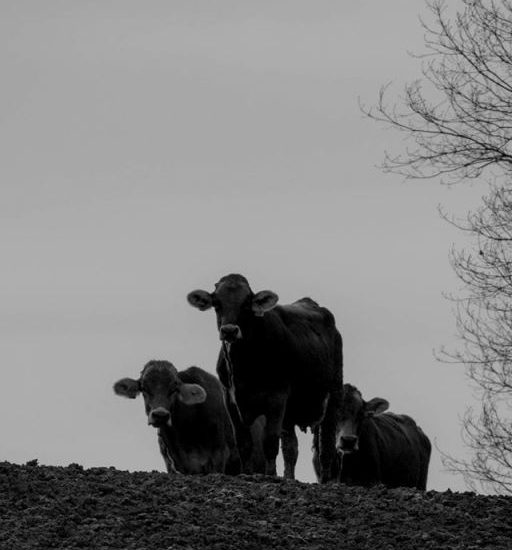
<point x="195" y="432"/>
<point x="378" y="447"/>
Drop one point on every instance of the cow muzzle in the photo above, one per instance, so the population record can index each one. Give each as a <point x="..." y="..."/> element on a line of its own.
<point x="348" y="444"/>
<point x="159" y="417"/>
<point x="229" y="333"/>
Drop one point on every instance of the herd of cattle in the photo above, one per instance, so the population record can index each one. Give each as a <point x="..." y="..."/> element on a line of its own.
<point x="279" y="367"/>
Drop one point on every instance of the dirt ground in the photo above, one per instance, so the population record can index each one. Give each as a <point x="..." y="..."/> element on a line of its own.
<point x="43" y="507"/>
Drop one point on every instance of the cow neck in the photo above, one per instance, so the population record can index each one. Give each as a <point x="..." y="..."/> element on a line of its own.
<point x="231" y="380"/>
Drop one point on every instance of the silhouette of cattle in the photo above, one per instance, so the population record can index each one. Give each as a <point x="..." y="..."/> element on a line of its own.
<point x="281" y="361"/>
<point x="379" y="447"/>
<point x="195" y="432"/>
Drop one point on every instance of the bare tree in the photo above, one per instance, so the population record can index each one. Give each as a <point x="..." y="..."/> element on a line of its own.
<point x="459" y="115"/>
<point x="458" y="119"/>
<point x="484" y="322"/>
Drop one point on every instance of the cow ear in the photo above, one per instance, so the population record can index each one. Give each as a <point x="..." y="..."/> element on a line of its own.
<point x="377" y="405"/>
<point x="200" y="299"/>
<point x="191" y="394"/>
<point x="263" y="301"/>
<point x="127" y="387"/>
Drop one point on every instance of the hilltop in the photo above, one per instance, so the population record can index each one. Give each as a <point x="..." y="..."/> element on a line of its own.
<point x="43" y="507"/>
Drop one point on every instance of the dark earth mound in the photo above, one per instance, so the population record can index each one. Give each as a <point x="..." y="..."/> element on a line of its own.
<point x="101" y="508"/>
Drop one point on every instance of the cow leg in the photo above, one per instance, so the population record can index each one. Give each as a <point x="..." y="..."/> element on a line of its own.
<point x="273" y="427"/>
<point x="217" y="463"/>
<point x="290" y="447"/>
<point x="327" y="442"/>
<point x="245" y="448"/>
<point x="233" y="464"/>
<point x="316" y="449"/>
<point x="335" y="464"/>
<point x="423" y="471"/>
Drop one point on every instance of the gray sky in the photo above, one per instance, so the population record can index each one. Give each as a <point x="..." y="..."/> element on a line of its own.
<point x="148" y="148"/>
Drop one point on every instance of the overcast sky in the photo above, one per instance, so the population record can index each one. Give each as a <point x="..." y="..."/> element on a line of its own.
<point x="149" y="148"/>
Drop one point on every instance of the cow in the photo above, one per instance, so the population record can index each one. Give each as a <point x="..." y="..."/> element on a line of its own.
<point x="281" y="361"/>
<point x="195" y="431"/>
<point x="379" y="447"/>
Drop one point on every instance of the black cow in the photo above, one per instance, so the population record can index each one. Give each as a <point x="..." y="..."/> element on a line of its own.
<point x="195" y="432"/>
<point x="378" y="447"/>
<point x="283" y="362"/>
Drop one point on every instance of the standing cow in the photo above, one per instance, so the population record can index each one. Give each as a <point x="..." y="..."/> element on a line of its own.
<point x="281" y="361"/>
<point x="195" y="432"/>
<point x="379" y="447"/>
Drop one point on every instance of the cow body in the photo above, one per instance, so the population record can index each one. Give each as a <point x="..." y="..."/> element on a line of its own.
<point x="283" y="362"/>
<point x="195" y="436"/>
<point x="393" y="450"/>
<point x="379" y="447"/>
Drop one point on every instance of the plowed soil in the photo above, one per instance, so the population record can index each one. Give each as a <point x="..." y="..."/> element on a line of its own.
<point x="43" y="507"/>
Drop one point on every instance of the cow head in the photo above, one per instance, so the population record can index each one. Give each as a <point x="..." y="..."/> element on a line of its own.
<point x="160" y="387"/>
<point x="234" y="303"/>
<point x="354" y="410"/>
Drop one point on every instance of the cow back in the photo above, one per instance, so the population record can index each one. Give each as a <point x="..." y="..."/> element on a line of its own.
<point x="294" y="348"/>
<point x="201" y="438"/>
<point x="207" y="422"/>
<point x="393" y="450"/>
